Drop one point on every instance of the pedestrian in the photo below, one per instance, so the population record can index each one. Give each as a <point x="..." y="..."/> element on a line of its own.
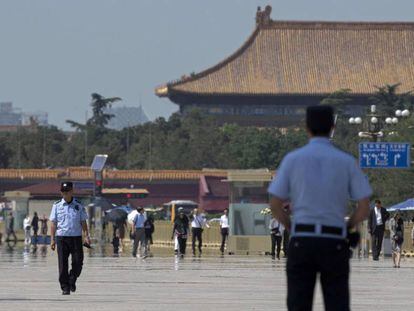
<point x="149" y="230"/>
<point x="138" y="231"/>
<point x="276" y="229"/>
<point x="285" y="243"/>
<point x="122" y="227"/>
<point x="180" y="231"/>
<point x="319" y="179"/>
<point x="197" y="227"/>
<point x="68" y="219"/>
<point x="43" y="226"/>
<point x="397" y="237"/>
<point x="10" y="228"/>
<point x="224" y="229"/>
<point x="26" y="227"/>
<point x="35" y="225"/>
<point x="376" y="227"/>
<point x="180" y="210"/>
<point x="115" y="241"/>
<point x="412" y="231"/>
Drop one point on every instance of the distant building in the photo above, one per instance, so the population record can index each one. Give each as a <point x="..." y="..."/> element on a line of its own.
<point x="126" y="116"/>
<point x="11" y="117"/>
<point x="285" y="66"/>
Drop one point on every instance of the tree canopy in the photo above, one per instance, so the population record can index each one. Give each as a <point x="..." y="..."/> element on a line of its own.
<point x="195" y="141"/>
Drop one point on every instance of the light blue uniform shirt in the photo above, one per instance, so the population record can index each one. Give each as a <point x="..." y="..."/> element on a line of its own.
<point x="139" y="220"/>
<point x="319" y="180"/>
<point x="68" y="217"/>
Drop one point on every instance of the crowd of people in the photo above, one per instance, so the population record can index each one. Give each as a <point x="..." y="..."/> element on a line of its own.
<point x="30" y="228"/>
<point x="143" y="228"/>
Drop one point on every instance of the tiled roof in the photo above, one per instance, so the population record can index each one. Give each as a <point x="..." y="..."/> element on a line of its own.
<point x="309" y="58"/>
<point x="30" y="173"/>
<point x="161" y="175"/>
<point x="81" y="173"/>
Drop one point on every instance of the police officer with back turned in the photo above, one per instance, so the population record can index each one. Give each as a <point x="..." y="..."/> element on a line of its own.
<point x="68" y="218"/>
<point x="319" y="179"/>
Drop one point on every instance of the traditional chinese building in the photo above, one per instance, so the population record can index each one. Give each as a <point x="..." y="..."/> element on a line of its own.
<point x="285" y="66"/>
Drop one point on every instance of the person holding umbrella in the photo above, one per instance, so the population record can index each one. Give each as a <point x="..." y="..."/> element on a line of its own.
<point x="118" y="216"/>
<point x="138" y="232"/>
<point x="180" y="231"/>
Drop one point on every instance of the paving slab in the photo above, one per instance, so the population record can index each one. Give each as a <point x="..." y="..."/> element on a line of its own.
<point x="28" y="281"/>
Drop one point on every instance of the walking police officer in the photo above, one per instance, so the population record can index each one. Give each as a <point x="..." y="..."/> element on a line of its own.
<point x="319" y="179"/>
<point x="68" y="220"/>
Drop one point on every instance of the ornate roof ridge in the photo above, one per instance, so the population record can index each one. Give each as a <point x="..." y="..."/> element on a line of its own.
<point x="339" y="25"/>
<point x="284" y="62"/>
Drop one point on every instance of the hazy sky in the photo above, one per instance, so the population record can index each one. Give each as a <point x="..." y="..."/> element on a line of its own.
<point x="54" y="54"/>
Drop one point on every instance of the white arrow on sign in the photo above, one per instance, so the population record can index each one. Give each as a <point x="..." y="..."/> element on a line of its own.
<point x="375" y="156"/>
<point x="366" y="156"/>
<point x="396" y="157"/>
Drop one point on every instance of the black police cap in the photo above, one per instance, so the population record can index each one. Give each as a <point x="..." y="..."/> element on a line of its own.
<point x="66" y="186"/>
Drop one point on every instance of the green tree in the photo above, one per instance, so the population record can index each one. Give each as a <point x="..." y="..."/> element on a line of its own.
<point x="388" y="99"/>
<point x="99" y="117"/>
<point x="338" y="100"/>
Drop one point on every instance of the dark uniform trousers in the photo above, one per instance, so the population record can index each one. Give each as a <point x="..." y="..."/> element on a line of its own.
<point x="276" y="243"/>
<point x="197" y="234"/>
<point x="310" y="256"/>
<point x="285" y="242"/>
<point x="69" y="245"/>
<point x="376" y="240"/>
<point x="224" y="236"/>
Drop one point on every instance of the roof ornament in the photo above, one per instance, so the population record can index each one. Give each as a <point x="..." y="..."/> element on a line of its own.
<point x="263" y="17"/>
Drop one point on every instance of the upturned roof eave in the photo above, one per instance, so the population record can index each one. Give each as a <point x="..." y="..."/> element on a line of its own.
<point x="166" y="89"/>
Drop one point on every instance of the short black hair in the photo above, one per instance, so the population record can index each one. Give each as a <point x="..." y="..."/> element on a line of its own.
<point x="377" y="201"/>
<point x="320" y="120"/>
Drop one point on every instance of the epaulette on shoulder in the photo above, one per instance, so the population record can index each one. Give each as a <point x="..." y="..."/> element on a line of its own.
<point x="56" y="202"/>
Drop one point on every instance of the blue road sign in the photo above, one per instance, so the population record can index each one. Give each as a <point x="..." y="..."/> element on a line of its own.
<point x="384" y="155"/>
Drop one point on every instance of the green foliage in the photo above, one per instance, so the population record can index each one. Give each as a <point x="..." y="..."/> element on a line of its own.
<point x="99" y="117"/>
<point x="388" y="99"/>
<point x="194" y="141"/>
<point x="338" y="99"/>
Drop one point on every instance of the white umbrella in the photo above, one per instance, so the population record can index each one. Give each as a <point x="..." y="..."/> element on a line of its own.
<point x="132" y="215"/>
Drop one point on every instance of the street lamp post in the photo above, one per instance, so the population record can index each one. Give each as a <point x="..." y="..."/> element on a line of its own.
<point x="373" y="126"/>
<point x="374" y="123"/>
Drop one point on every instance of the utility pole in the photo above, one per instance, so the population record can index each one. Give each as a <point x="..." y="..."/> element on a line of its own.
<point x="44" y="148"/>
<point x="19" y="149"/>
<point x="150" y="149"/>
<point x="86" y="138"/>
<point x="127" y="148"/>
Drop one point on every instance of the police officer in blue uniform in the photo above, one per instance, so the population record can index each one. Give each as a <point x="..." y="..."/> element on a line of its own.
<point x="68" y="218"/>
<point x="319" y="179"/>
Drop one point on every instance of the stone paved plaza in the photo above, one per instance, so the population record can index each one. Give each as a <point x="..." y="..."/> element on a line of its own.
<point x="29" y="282"/>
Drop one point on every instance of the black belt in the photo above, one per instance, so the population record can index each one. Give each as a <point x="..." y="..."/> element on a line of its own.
<point x="324" y="229"/>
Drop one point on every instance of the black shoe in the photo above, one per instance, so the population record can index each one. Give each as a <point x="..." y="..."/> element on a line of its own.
<point x="73" y="288"/>
<point x="66" y="292"/>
